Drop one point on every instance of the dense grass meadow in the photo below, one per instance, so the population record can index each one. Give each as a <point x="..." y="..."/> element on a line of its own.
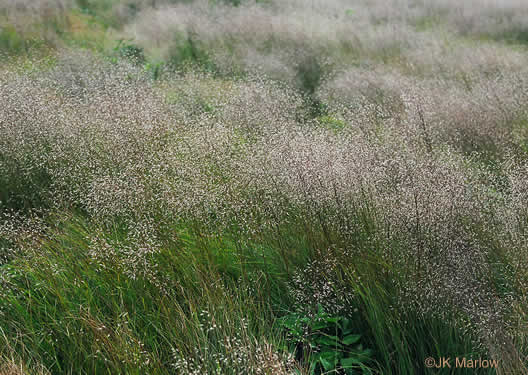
<point x="263" y="187"/>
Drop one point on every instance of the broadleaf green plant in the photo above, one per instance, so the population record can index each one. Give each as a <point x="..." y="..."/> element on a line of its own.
<point x="326" y="344"/>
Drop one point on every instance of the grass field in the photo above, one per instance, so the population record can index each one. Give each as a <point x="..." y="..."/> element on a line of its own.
<point x="263" y="187"/>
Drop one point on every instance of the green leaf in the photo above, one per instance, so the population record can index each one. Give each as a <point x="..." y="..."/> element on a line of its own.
<point x="319" y="325"/>
<point x="327" y="364"/>
<point x="351" y="339"/>
<point x="331" y="341"/>
<point x="313" y="366"/>
<point x="346" y="326"/>
<point x="350" y="362"/>
<point x="365" y="353"/>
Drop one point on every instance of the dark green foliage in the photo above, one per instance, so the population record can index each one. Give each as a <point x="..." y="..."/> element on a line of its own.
<point x="316" y="108"/>
<point x="11" y="41"/>
<point x="234" y="3"/>
<point x="155" y="69"/>
<point x="83" y="4"/>
<point x="130" y="51"/>
<point x="103" y="12"/>
<point x="309" y="77"/>
<point x="188" y="50"/>
<point x="23" y="189"/>
<point x="14" y="43"/>
<point x="328" y="344"/>
<point x="515" y="36"/>
<point x="310" y="74"/>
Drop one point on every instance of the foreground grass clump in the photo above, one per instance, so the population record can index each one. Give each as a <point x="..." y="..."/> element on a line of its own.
<point x="91" y="299"/>
<point x="86" y="311"/>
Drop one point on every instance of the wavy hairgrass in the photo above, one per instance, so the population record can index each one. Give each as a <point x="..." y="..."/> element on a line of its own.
<point x="160" y="227"/>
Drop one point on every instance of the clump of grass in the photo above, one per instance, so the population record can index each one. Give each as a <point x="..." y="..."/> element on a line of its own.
<point x="187" y="50"/>
<point x="11" y="41"/>
<point x="173" y="313"/>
